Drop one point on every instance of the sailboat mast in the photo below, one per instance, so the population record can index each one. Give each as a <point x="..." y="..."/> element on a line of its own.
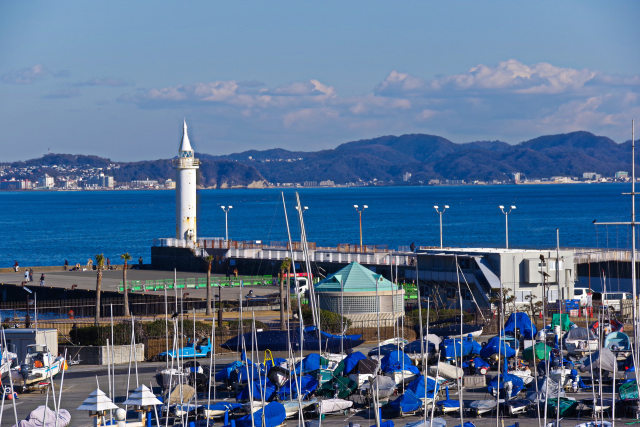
<point x="636" y="334"/>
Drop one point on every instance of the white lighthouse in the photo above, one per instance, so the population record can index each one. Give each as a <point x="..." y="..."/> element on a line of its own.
<point x="186" y="164"/>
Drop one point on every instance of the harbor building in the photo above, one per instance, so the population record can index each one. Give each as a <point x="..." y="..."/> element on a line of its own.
<point x="483" y="271"/>
<point x="359" y="293"/>
<point x="186" y="209"/>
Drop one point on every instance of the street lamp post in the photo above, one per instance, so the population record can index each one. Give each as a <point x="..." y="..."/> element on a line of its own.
<point x="226" y="221"/>
<point x="506" y="222"/>
<point x="440" y="212"/>
<point x="360" y="209"/>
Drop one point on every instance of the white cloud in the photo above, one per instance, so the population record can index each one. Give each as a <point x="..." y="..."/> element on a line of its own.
<point x="510" y="100"/>
<point x="26" y="75"/>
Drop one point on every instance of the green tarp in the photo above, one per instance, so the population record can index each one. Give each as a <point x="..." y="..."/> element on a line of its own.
<point x="567" y="406"/>
<point x="628" y="390"/>
<point x="541" y="352"/>
<point x="566" y="323"/>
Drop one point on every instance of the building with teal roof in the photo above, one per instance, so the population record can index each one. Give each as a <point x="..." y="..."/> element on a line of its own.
<point x="359" y="293"/>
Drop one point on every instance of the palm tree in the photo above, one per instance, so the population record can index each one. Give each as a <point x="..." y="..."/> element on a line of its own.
<point x="99" y="267"/>
<point x="284" y="267"/>
<point x="209" y="260"/>
<point x="126" y="257"/>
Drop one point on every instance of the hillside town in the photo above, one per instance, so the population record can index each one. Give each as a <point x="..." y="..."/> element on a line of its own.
<point x="74" y="178"/>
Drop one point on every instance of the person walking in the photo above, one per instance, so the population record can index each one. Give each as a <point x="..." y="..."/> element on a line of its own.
<point x="16" y="266"/>
<point x="31" y="274"/>
<point x="42" y="279"/>
<point x="26" y="275"/>
<point x="66" y="265"/>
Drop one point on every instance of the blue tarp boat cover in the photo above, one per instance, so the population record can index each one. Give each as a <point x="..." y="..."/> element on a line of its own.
<point x="451" y="347"/>
<point x="386" y="423"/>
<point x="267" y="386"/>
<point x="352" y="360"/>
<point x="417" y="386"/>
<point x="382" y="350"/>
<point x="306" y="383"/>
<point x="414" y="347"/>
<point x="274" y="415"/>
<point x="397" y="361"/>
<point x="497" y="345"/>
<point x="522" y="321"/>
<point x="311" y="363"/>
<point x="224" y="406"/>
<point x="437" y="422"/>
<point x="226" y="372"/>
<point x="516" y="383"/>
<point x="310" y="329"/>
<point x="247" y="373"/>
<point x="406" y="403"/>
<point x="467" y="424"/>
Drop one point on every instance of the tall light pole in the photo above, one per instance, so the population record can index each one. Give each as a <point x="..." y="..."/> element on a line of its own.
<point x="360" y="209"/>
<point x="506" y="222"/>
<point x="440" y="212"/>
<point x="226" y="210"/>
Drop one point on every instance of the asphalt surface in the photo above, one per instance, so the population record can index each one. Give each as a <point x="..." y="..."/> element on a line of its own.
<point x="80" y="381"/>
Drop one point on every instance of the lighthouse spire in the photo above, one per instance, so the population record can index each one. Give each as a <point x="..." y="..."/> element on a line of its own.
<point x="185" y="145"/>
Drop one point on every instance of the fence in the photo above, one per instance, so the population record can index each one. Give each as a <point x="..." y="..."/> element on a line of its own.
<point x="139" y="305"/>
<point x="151" y="334"/>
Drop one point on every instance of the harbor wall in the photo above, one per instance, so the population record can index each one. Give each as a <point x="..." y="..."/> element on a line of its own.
<point x="183" y="259"/>
<point x="101" y="355"/>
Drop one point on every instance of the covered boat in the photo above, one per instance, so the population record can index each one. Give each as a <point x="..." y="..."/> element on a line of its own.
<point x="539" y="351"/>
<point x="418" y="386"/>
<point x="437" y="422"/>
<point x="581" y="340"/>
<point x="448" y="405"/>
<point x="497" y="346"/>
<point x="522" y="322"/>
<point x="480" y="407"/>
<point x="219" y="409"/>
<point x="618" y="342"/>
<point x="259" y="390"/>
<point x="273" y="413"/>
<point x="565" y="405"/>
<point x="398" y="366"/>
<point x="446" y="370"/>
<point x="43" y="416"/>
<point x="280" y="340"/>
<point x="453" y="331"/>
<point x="385" y="386"/>
<point x="406" y="404"/>
<point x="508" y="386"/>
<point x="456" y="348"/>
<point x="628" y="390"/>
<point x="603" y="358"/>
<point x="306" y="383"/>
<point x="364" y="371"/>
<point x="334" y="406"/>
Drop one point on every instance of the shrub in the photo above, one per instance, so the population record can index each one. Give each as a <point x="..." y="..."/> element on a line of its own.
<point x="329" y="321"/>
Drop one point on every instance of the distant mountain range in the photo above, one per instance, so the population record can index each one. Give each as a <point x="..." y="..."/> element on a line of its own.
<point x="411" y="159"/>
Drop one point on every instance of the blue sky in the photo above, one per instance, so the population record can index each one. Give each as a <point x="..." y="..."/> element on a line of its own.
<point x="115" y="78"/>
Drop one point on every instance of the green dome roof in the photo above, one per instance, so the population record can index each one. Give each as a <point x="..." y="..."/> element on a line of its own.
<point x="354" y="278"/>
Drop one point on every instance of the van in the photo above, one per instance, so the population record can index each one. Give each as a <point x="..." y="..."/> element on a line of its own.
<point x="613" y="300"/>
<point x="581" y="294"/>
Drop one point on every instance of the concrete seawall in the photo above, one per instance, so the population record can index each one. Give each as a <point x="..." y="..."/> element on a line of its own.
<point x="101" y="355"/>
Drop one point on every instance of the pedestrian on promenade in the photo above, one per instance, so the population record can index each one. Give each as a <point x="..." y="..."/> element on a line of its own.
<point x="31" y="274"/>
<point x="26" y="275"/>
<point x="42" y="279"/>
<point x="16" y="267"/>
<point x="66" y="265"/>
<point x="140" y="263"/>
<point x="108" y="264"/>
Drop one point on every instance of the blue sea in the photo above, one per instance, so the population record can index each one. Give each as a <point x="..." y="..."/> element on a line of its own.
<point x="45" y="228"/>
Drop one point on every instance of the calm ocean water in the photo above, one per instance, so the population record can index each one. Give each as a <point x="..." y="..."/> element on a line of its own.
<point x="45" y="228"/>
